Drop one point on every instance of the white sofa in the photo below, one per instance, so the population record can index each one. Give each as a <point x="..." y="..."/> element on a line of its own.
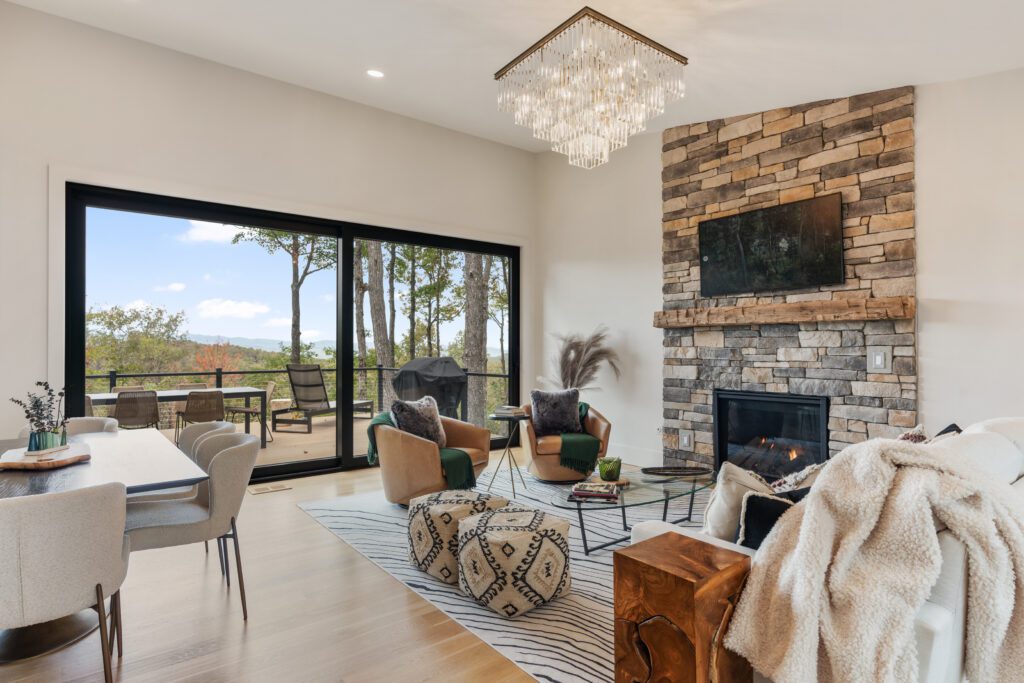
<point x="994" y="447"/>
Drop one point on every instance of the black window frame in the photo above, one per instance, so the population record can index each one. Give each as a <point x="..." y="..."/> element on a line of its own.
<point x="79" y="197"/>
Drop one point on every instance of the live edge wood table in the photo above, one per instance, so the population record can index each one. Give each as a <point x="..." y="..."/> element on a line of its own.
<point x="673" y="598"/>
<point x="143" y="460"/>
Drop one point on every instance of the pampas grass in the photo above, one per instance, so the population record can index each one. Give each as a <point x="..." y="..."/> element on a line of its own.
<point x="580" y="358"/>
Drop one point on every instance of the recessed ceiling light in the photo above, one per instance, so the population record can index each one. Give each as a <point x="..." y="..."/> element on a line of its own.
<point x="374" y="73"/>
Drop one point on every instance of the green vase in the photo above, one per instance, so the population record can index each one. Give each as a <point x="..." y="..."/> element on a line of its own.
<point x="41" y="441"/>
<point x="610" y="468"/>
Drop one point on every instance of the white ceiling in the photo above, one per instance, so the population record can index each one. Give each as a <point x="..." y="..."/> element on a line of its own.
<point x="439" y="56"/>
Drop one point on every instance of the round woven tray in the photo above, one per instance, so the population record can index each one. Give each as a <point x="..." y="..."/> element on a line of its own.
<point x="676" y="471"/>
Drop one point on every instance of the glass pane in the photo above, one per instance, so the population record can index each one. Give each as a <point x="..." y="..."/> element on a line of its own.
<point x="429" y="321"/>
<point x="190" y="305"/>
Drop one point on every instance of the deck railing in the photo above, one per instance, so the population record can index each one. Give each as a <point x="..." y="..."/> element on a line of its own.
<point x="384" y="393"/>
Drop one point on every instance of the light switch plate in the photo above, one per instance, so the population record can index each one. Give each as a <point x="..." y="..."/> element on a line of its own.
<point x="685" y="439"/>
<point x="879" y="359"/>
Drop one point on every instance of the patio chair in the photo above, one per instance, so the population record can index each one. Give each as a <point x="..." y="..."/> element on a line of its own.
<point x="201" y="406"/>
<point x="252" y="411"/>
<point x="127" y="387"/>
<point x="179" y="406"/>
<point x="309" y="397"/>
<point x="136" y="409"/>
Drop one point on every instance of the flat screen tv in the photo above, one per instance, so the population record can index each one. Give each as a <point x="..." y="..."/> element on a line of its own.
<point x="792" y="246"/>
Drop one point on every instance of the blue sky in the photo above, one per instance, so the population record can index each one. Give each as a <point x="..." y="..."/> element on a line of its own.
<point x="225" y="289"/>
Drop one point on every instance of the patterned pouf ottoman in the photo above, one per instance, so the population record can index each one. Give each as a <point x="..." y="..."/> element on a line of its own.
<point x="434" y="528"/>
<point x="514" y="559"/>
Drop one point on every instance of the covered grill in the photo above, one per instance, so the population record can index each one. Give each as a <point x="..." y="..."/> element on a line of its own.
<point x="441" y="378"/>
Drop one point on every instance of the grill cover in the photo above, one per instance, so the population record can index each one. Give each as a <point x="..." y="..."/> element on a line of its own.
<point x="441" y="378"/>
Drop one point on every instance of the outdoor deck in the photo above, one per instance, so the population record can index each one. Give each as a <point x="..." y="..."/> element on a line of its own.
<point x="295" y="445"/>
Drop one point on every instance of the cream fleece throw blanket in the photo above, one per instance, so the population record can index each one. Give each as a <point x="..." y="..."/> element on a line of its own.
<point x="833" y="591"/>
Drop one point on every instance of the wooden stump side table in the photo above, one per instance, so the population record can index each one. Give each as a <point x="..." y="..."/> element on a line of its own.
<point x="673" y="597"/>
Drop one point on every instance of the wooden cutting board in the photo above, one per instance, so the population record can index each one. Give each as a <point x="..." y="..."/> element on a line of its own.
<point x="19" y="459"/>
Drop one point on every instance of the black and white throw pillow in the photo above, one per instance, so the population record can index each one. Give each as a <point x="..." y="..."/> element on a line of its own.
<point x="556" y="412"/>
<point x="760" y="512"/>
<point x="419" y="418"/>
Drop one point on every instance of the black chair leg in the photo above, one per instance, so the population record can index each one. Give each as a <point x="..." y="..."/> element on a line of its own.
<point x="104" y="637"/>
<point x="238" y="569"/>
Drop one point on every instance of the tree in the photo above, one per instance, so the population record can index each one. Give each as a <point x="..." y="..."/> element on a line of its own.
<point x="135" y="340"/>
<point x="309" y="254"/>
<point x="392" y="248"/>
<point x="209" y="357"/>
<point x="498" y="308"/>
<point x="438" y="267"/>
<point x="383" y="327"/>
<point x="476" y="277"/>
<point x="359" y="288"/>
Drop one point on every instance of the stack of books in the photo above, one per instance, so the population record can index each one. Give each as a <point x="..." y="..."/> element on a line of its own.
<point x="594" y="492"/>
<point x="509" y="411"/>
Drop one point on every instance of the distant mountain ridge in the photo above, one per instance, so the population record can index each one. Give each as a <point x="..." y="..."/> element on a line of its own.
<point x="320" y="347"/>
<point x="260" y="344"/>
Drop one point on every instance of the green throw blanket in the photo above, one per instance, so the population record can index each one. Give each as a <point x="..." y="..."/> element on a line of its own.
<point x="579" y="451"/>
<point x="456" y="463"/>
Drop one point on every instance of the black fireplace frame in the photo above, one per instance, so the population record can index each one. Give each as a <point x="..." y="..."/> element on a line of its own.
<point x="718" y="425"/>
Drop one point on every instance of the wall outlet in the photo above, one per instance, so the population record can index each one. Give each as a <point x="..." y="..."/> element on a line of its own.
<point x="685" y="440"/>
<point x="879" y="359"/>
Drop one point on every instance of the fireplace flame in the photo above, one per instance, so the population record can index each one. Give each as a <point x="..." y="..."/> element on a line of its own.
<point x="793" y="455"/>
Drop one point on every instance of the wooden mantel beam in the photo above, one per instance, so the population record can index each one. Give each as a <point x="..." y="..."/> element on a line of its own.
<point x="880" y="308"/>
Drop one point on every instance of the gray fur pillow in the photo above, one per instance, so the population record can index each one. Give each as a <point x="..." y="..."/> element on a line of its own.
<point x="419" y="418"/>
<point x="556" y="412"/>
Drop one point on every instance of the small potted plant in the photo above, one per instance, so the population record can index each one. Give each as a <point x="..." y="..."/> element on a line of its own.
<point x="45" y="415"/>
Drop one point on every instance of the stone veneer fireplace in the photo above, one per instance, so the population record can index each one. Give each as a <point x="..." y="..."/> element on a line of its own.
<point x="807" y="343"/>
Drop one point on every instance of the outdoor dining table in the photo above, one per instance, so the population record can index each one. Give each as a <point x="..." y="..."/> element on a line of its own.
<point x="142" y="459"/>
<point x="163" y="395"/>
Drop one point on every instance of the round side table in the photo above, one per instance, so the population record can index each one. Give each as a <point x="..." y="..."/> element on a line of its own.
<point x="513" y="466"/>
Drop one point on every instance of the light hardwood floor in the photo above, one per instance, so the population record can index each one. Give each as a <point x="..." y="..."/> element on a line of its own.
<point x="318" y="611"/>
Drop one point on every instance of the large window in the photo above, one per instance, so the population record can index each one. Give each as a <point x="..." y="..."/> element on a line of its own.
<point x="177" y="296"/>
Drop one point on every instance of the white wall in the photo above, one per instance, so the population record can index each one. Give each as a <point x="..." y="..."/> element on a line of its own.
<point x="599" y="250"/>
<point x="970" y="230"/>
<point x="83" y="104"/>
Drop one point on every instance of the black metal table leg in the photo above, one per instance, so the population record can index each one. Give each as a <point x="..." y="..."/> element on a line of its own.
<point x="247" y="418"/>
<point x="583" y="529"/>
<point x="693" y="493"/>
<point x="625" y="527"/>
<point x="263" y="420"/>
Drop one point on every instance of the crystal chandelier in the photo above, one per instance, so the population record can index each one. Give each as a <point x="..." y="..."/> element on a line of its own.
<point x="588" y="85"/>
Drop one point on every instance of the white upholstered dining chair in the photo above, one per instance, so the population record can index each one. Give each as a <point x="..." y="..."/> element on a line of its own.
<point x="193" y="433"/>
<point x="63" y="553"/>
<point x="229" y="460"/>
<point x="80" y="425"/>
<point x="187" y="443"/>
<point x="91" y="425"/>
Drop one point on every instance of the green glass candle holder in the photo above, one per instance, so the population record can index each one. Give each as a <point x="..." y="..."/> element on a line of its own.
<point x="610" y="468"/>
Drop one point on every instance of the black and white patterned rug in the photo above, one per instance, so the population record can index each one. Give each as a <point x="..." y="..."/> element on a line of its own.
<point x="567" y="641"/>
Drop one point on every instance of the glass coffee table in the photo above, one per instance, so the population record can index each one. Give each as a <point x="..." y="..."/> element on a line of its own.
<point x="642" y="490"/>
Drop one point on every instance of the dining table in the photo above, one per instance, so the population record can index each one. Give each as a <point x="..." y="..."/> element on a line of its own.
<point x="142" y="459"/>
<point x="165" y="395"/>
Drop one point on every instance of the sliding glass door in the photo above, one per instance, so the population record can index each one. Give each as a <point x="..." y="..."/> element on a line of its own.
<point x="312" y="325"/>
<point x="430" y="320"/>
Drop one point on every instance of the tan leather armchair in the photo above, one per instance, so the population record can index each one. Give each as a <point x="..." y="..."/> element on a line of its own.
<point x="410" y="466"/>
<point x="545" y="451"/>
